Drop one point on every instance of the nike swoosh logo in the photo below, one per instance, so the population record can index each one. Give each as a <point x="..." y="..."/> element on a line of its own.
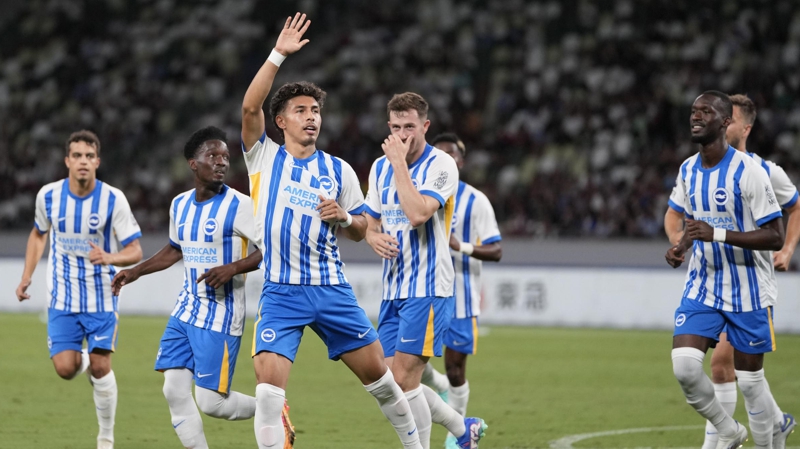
<point x="360" y="335"/>
<point x="200" y="376"/>
<point x="460" y="343"/>
<point x="62" y="219"/>
<point x="180" y="226"/>
<point x="412" y="432"/>
<point x="754" y="414"/>
<point x="711" y="433"/>
<point x="758" y="343"/>
<point x="175" y="426"/>
<point x="403" y="340"/>
<point x="104" y="337"/>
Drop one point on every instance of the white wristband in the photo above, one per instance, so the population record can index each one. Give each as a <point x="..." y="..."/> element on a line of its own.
<point x="466" y="248"/>
<point x="347" y="222"/>
<point x="276" y="58"/>
<point x="719" y="235"/>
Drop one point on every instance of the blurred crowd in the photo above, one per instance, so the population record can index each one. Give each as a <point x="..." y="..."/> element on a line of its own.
<point x="575" y="113"/>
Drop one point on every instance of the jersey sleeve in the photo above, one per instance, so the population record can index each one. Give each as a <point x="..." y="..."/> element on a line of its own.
<point x="761" y="200"/>
<point x="372" y="203"/>
<point x="257" y="157"/>
<point x="785" y="190"/>
<point x="677" y="199"/>
<point x="42" y="217"/>
<point x="440" y="180"/>
<point x="173" y="230"/>
<point x="485" y="222"/>
<point x="124" y="224"/>
<point x="244" y="225"/>
<point x="352" y="198"/>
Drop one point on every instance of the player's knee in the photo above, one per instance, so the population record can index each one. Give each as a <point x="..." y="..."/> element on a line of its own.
<point x="687" y="365"/>
<point x="721" y="374"/>
<point x="209" y="402"/>
<point x="751" y="382"/>
<point x="66" y="371"/>
<point x="456" y="376"/>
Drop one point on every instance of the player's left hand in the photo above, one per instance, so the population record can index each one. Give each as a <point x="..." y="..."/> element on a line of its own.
<point x="675" y="256"/>
<point x="330" y="211"/>
<point x="99" y="257"/>
<point x="455" y="245"/>
<point x="395" y="149"/>
<point x="217" y="276"/>
<point x="699" y="230"/>
<point x="782" y="259"/>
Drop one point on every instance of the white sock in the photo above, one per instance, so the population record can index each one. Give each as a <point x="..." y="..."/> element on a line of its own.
<point x="760" y="405"/>
<point x="687" y="365"/>
<point x="185" y="418"/>
<point x="234" y="406"/>
<point x="105" y="401"/>
<point x="778" y="418"/>
<point x="726" y="395"/>
<point x="443" y="414"/>
<point x="458" y="398"/>
<point x="434" y="379"/>
<point x="394" y="405"/>
<point x="84" y="362"/>
<point x="422" y="415"/>
<point x="268" y="424"/>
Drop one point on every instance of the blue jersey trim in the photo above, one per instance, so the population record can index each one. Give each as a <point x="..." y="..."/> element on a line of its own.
<point x="674" y="206"/>
<point x="130" y="239"/>
<point x="490" y="240"/>
<point x="791" y="202"/>
<point x="38" y="229"/>
<point x="434" y="195"/>
<point x="175" y="245"/>
<point x="261" y="139"/>
<point x="358" y="210"/>
<point x="371" y="212"/>
<point x="769" y="218"/>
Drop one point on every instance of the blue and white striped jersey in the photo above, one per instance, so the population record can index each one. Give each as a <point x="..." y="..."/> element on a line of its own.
<point x="299" y="248"/>
<point x="785" y="190"/>
<point x="473" y="222"/>
<point x="735" y="195"/>
<point x="103" y="218"/>
<point x="210" y="234"/>
<point x="423" y="266"/>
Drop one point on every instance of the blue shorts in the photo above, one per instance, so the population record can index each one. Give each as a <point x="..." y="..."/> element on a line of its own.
<point x="462" y="335"/>
<point x="415" y="325"/>
<point x="331" y="311"/>
<point x="748" y="332"/>
<point x="210" y="355"/>
<point x="66" y="330"/>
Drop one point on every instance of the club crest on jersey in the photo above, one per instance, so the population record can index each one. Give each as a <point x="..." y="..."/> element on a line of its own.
<point x="93" y="221"/>
<point x="210" y="226"/>
<point x="328" y="185"/>
<point x="720" y="196"/>
<point x="454" y="221"/>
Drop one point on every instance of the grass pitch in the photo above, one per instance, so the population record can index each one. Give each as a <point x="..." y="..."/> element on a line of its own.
<point x="534" y="386"/>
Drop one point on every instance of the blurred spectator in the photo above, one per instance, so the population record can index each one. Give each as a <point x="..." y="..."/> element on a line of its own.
<point x="575" y="112"/>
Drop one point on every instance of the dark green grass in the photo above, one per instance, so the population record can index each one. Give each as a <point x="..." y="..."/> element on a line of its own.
<point x="532" y="385"/>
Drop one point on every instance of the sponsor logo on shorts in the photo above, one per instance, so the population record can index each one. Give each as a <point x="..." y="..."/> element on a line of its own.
<point x="100" y="338"/>
<point x="49" y="343"/>
<point x="679" y="320"/>
<point x="403" y="340"/>
<point x="200" y="376"/>
<point x="268" y="335"/>
<point x="158" y="355"/>
<point x="758" y="343"/>
<point x="460" y="343"/>
<point x="360" y="335"/>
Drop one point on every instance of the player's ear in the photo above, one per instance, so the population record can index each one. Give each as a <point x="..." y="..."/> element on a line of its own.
<point x="280" y="122"/>
<point x="425" y="126"/>
<point x="193" y="164"/>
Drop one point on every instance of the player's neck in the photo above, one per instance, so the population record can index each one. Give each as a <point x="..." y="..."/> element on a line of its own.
<point x="204" y="192"/>
<point x="300" y="151"/>
<point x="712" y="153"/>
<point x="81" y="187"/>
<point x="416" y="153"/>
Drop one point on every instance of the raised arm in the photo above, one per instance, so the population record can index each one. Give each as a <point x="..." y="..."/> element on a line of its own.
<point x="289" y="41"/>
<point x="33" y="253"/>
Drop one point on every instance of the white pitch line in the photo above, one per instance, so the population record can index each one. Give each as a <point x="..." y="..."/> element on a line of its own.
<point x="566" y="442"/>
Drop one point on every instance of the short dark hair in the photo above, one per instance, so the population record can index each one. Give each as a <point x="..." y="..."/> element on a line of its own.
<point x="727" y="106"/>
<point x="452" y="138"/>
<point x="291" y="90"/>
<point x="200" y="137"/>
<point x="406" y="102"/>
<point x="745" y="105"/>
<point x="84" y="135"/>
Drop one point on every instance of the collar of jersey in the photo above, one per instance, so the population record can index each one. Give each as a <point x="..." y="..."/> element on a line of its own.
<point x="96" y="190"/>
<point x="424" y="156"/>
<point x="724" y="161"/>
<point x="221" y="193"/>
<point x="301" y="162"/>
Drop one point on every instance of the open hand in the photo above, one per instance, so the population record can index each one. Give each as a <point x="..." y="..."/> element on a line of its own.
<point x="291" y="38"/>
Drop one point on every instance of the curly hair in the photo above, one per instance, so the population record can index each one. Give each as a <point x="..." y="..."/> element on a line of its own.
<point x="200" y="137"/>
<point x="290" y="90"/>
<point x="86" y="136"/>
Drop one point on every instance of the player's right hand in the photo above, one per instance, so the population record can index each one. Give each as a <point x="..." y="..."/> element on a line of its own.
<point x="122" y="278"/>
<point x="674" y="256"/>
<point x="22" y="288"/>
<point x="383" y="244"/>
<point x="289" y="41"/>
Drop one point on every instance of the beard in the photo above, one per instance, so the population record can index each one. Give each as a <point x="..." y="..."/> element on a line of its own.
<point x="704" y="139"/>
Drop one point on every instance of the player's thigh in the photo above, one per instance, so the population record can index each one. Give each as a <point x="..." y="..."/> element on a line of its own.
<point x="366" y="362"/>
<point x="64" y="333"/>
<point x="423" y="322"/>
<point x="214" y="358"/>
<point x="462" y="335"/>
<point x="174" y="349"/>
<point x="339" y="321"/>
<point x="283" y="312"/>
<point x="696" y="325"/>
<point x="101" y="330"/>
<point x="272" y="368"/>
